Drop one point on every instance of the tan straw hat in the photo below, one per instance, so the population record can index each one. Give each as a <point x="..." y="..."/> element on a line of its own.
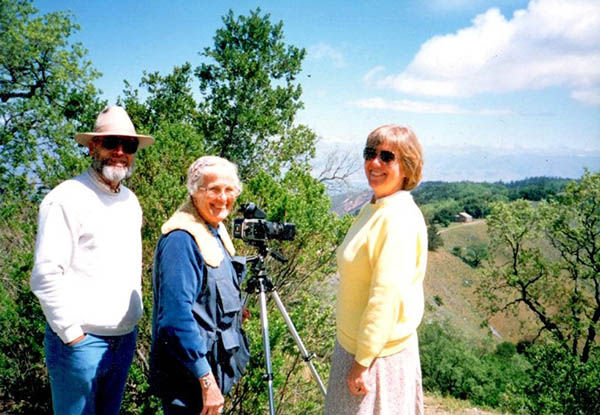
<point x="114" y="121"/>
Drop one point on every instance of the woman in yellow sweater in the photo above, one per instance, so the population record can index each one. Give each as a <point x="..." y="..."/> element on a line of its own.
<point x="375" y="367"/>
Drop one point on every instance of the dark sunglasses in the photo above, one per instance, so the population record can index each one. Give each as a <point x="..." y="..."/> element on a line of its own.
<point x="129" y="145"/>
<point x="370" y="153"/>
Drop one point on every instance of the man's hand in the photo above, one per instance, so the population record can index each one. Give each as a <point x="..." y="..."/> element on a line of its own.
<point x="212" y="399"/>
<point x="358" y="379"/>
<point x="77" y="340"/>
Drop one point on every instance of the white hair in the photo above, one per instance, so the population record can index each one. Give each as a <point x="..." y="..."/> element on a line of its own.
<point x="211" y="164"/>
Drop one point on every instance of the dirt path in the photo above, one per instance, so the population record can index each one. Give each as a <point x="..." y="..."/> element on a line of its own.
<point x="459" y="225"/>
<point x="448" y="406"/>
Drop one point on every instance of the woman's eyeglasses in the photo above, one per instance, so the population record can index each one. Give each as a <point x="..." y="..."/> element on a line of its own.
<point x="370" y="153"/>
<point x="215" y="191"/>
<point x="129" y="145"/>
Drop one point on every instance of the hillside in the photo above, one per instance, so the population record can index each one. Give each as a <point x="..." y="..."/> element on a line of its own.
<point x="454" y="283"/>
<point x="449" y="284"/>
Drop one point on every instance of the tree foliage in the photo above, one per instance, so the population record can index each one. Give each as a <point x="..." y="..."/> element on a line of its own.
<point x="473" y="254"/>
<point x="434" y="239"/>
<point x="441" y="201"/>
<point x="560" y="383"/>
<point x="559" y="283"/>
<point x="169" y="100"/>
<point x="46" y="93"/>
<point x="251" y="98"/>
<point x="536" y="188"/>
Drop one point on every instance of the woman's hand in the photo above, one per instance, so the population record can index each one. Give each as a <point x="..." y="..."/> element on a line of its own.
<point x="358" y="379"/>
<point x="246" y="314"/>
<point x="212" y="399"/>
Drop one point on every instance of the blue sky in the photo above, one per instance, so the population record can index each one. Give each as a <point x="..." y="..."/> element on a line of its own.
<point x="504" y="77"/>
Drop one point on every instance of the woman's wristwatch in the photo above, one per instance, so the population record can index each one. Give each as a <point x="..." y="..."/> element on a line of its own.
<point x="205" y="381"/>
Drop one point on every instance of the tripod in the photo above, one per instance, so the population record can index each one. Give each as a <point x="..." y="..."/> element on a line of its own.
<point x="261" y="284"/>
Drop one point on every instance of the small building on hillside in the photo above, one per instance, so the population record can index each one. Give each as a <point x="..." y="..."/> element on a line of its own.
<point x="463" y="217"/>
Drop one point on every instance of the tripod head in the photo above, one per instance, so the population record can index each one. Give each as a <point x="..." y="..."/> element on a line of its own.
<point x="263" y="251"/>
<point x="259" y="279"/>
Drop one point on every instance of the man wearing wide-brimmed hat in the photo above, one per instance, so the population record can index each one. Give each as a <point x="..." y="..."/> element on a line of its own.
<point x="87" y="272"/>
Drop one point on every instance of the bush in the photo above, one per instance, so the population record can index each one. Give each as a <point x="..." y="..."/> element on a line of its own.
<point x="452" y="367"/>
<point x="23" y="382"/>
<point x="560" y="383"/>
<point x="473" y="255"/>
<point x="434" y="239"/>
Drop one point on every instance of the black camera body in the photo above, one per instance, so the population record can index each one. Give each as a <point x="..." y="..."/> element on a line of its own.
<point x="254" y="228"/>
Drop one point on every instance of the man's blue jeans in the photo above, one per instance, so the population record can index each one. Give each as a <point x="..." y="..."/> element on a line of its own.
<point x="89" y="377"/>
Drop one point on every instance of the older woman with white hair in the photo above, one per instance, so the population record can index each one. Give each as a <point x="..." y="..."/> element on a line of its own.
<point x="199" y="349"/>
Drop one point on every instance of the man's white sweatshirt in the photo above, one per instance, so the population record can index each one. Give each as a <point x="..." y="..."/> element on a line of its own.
<point x="88" y="259"/>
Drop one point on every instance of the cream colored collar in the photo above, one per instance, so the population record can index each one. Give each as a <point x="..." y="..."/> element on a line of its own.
<point x="186" y="218"/>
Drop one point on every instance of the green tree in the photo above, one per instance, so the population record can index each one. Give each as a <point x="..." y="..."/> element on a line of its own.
<point x="442" y="213"/>
<point x="572" y="224"/>
<point x="46" y="93"/>
<point x="434" y="239"/>
<point x="169" y="100"/>
<point x="558" y="281"/>
<point x="251" y="99"/>
<point x="475" y="254"/>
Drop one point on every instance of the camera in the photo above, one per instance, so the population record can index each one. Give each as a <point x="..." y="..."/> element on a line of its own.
<point x="254" y="228"/>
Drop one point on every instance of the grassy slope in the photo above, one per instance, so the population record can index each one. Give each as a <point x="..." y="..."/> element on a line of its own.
<point x="454" y="282"/>
<point x="451" y="280"/>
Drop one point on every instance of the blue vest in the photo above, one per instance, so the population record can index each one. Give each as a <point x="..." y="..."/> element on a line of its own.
<point x="218" y="313"/>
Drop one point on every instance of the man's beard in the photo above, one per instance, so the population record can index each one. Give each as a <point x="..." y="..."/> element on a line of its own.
<point x="112" y="173"/>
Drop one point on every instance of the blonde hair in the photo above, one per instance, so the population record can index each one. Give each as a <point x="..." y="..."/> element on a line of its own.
<point x="406" y="147"/>
<point x="211" y="164"/>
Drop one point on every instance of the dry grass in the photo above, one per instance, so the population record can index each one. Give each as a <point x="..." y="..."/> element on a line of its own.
<point x="437" y="405"/>
<point x="454" y="282"/>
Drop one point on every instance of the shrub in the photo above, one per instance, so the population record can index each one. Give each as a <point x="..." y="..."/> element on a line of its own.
<point x="434" y="239"/>
<point x="560" y="383"/>
<point x="452" y="367"/>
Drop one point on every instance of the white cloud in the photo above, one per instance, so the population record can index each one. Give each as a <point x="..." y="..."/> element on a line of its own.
<point x="444" y="6"/>
<point x="369" y="76"/>
<point x="551" y="43"/>
<point x="422" y="107"/>
<point x="589" y="96"/>
<point x="325" y="51"/>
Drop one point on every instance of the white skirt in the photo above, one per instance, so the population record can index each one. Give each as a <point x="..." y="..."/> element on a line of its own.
<point x="396" y="387"/>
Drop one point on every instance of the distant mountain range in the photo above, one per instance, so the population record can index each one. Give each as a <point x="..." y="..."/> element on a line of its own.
<point x="478" y="164"/>
<point x="491" y="165"/>
<point x="350" y="202"/>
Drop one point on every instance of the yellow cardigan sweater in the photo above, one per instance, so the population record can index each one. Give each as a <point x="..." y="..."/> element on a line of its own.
<point x="381" y="264"/>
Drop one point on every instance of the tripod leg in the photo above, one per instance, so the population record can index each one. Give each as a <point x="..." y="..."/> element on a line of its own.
<point x="266" y="344"/>
<point x="307" y="357"/>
